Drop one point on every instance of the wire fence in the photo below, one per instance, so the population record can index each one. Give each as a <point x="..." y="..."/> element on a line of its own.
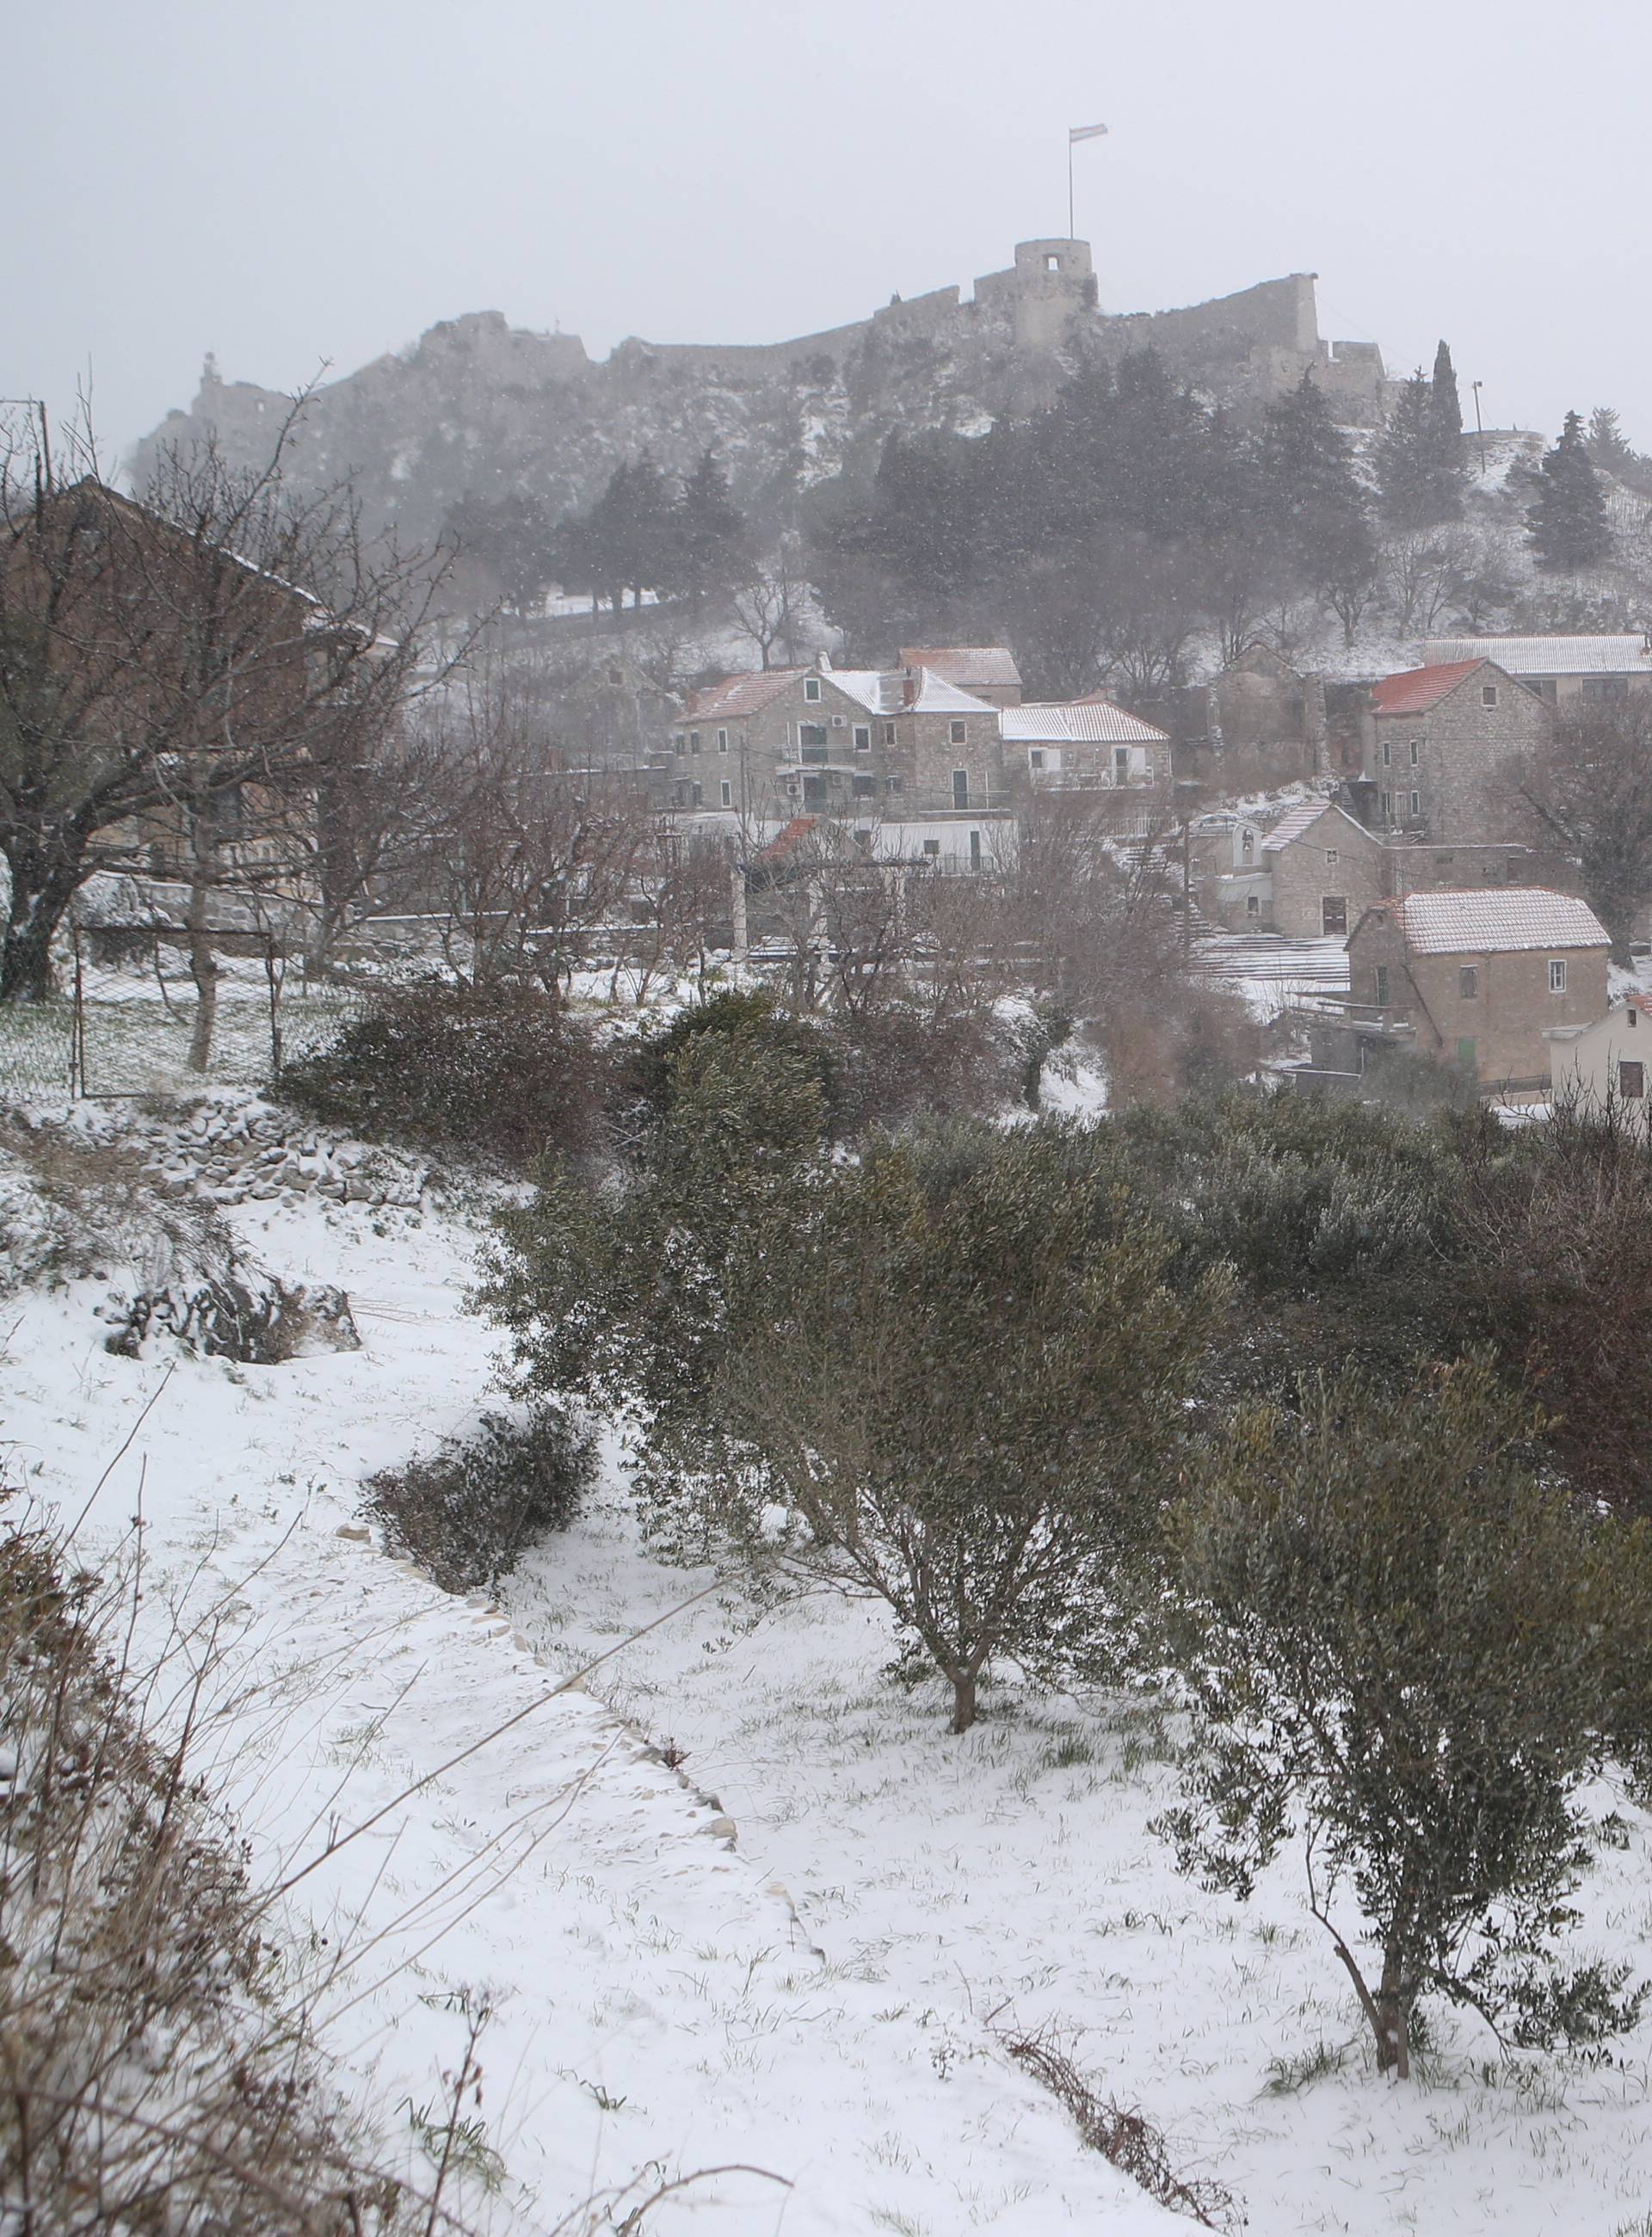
<point x="125" y="1023"/>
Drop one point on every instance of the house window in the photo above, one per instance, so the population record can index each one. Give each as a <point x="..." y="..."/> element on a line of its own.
<point x="1382" y="985"/>
<point x="1333" y="915"/>
<point x="1253" y="904"/>
<point x="695" y="790"/>
<point x="1388" y="754"/>
<point x="1331" y="858"/>
<point x="1388" y="808"/>
<point x="1488" y="695"/>
<point x="961" y="787"/>
<point x="814" y="792"/>
<point x="1598" y="687"/>
<point x="864" y="787"/>
<point x="1467" y="981"/>
<point x="1632" y="1017"/>
<point x="1417" y="803"/>
<point x="1557" y="975"/>
<point x="694" y="741"/>
<point x="888" y="733"/>
<point x="680" y="742"/>
<point x="932" y="846"/>
<point x="1121" y="764"/>
<point x="863" y="737"/>
<point x="1035" y="757"/>
<point x="811" y="686"/>
<point x="727" y="793"/>
<point x="812" y="741"/>
<point x="722" y="742"/>
<point x="1631" y="1080"/>
<point x="974" y="850"/>
<point x="229" y="811"/>
<point x="1416" y="752"/>
<point x="893" y="783"/>
<point x="957" y="733"/>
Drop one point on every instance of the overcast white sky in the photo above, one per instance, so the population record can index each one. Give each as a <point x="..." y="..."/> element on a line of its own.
<point x="322" y="180"/>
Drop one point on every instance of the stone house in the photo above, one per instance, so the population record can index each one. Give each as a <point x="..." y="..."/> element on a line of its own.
<point x="1569" y="672"/>
<point x="1085" y="744"/>
<point x="1442" y="747"/>
<point x="1480" y="977"/>
<point x="986" y="672"/>
<point x="1608" y="1061"/>
<point x="839" y="741"/>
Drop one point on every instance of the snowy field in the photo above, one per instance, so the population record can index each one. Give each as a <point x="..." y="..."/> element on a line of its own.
<point x="780" y="1937"/>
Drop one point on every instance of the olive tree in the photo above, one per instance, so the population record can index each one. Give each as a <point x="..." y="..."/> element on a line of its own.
<point x="1405" y="1649"/>
<point x="953" y="1390"/>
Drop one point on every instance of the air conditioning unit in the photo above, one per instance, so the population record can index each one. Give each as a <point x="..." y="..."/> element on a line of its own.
<point x="837" y="721"/>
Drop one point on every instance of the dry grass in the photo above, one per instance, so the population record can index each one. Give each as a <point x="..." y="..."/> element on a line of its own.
<point x="157" y="2070"/>
<point x="1123" y="2135"/>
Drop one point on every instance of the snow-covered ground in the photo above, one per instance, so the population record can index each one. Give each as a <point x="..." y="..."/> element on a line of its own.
<point x="807" y="1996"/>
<point x="659" y="2005"/>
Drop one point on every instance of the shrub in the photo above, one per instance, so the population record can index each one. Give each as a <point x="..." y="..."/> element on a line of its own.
<point x="1406" y="1650"/>
<point x="504" y="1072"/>
<point x="467" y="1511"/>
<point x="750" y="1020"/>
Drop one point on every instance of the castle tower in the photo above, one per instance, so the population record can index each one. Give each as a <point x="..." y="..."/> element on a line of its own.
<point x="1053" y="279"/>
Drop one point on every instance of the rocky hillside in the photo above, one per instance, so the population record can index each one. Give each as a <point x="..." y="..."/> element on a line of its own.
<point x="477" y="408"/>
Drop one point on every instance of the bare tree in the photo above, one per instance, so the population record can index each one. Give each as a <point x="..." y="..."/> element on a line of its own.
<point x="768" y="610"/>
<point x="527" y="856"/>
<point x="1590" y="796"/>
<point x="224" y="636"/>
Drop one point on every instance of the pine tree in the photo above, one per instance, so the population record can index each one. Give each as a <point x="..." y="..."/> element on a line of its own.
<point x="1316" y="510"/>
<point x="1419" y="454"/>
<point x="1609" y="451"/>
<point x="1567" y="527"/>
<point x="709" y="536"/>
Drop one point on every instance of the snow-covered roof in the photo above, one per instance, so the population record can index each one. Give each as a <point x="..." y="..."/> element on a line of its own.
<point x="1094" y="721"/>
<point x="1303" y="817"/>
<point x="1415" y="689"/>
<point x="934" y="695"/>
<point x="867" y="687"/>
<point x="1549" y="656"/>
<point x="992" y="664"/>
<point x="1477" y="922"/>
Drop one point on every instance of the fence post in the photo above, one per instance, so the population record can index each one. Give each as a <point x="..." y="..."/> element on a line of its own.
<point x="77" y="1025"/>
<point x="274" y="984"/>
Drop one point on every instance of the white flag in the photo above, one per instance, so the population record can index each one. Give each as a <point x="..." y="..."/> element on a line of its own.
<point x="1076" y="132"/>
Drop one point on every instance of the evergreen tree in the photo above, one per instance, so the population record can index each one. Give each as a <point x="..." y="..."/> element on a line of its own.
<point x="1608" y="452"/>
<point x="514" y="537"/>
<point x="1419" y="454"/>
<point x="1316" y="509"/>
<point x="709" y="539"/>
<point x="1446" y="409"/>
<point x="1567" y="527"/>
<point x="625" y="542"/>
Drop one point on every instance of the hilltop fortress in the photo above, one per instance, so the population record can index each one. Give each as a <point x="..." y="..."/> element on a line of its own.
<point x="479" y="406"/>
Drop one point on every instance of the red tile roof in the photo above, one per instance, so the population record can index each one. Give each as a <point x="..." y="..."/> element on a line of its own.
<point x="1415" y="689"/>
<point x="741" y="695"/>
<point x="782" y="844"/>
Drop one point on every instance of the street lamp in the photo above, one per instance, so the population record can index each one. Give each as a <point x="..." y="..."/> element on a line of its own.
<point x="1478" y="429"/>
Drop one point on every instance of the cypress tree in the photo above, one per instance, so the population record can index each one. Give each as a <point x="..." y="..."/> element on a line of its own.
<point x="1316" y="507"/>
<point x="1567" y="527"/>
<point x="1419" y="454"/>
<point x="709" y="533"/>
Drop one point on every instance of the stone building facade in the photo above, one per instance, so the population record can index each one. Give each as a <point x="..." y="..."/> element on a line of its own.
<point x="1479" y="978"/>
<point x="1443" y="747"/>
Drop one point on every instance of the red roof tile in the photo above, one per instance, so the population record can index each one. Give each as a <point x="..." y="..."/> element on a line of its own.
<point x="1415" y="689"/>
<point x="741" y="695"/>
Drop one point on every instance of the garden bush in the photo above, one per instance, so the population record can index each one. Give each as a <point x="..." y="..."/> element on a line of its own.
<point x="468" y="1511"/>
<point x="508" y="1073"/>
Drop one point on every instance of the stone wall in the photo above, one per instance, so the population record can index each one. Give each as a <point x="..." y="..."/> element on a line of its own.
<point x="1505" y="1016"/>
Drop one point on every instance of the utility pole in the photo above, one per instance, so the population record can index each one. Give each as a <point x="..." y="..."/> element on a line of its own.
<point x="1478" y="429"/>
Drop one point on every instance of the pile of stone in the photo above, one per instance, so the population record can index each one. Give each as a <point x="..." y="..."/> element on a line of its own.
<point x="231" y="1152"/>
